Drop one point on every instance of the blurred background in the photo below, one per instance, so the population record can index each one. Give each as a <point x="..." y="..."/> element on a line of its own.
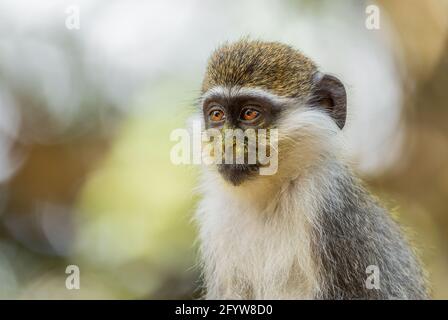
<point x="86" y="113"/>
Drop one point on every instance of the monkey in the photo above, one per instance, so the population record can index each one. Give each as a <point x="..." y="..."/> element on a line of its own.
<point x="311" y="230"/>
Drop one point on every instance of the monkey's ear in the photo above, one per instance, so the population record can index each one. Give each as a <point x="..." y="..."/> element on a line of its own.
<point x="329" y="93"/>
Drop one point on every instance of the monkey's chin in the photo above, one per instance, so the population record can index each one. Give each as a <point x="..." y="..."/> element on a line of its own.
<point x="236" y="174"/>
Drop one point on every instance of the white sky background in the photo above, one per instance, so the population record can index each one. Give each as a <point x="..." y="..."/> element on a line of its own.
<point x="130" y="45"/>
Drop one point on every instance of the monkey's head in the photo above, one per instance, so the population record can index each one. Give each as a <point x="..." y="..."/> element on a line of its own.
<point x="259" y="86"/>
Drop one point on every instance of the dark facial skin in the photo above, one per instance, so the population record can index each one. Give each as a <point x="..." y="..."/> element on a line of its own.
<point x="243" y="112"/>
<point x="254" y="112"/>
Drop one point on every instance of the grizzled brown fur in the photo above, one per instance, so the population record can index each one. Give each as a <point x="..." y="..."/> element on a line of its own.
<point x="271" y="66"/>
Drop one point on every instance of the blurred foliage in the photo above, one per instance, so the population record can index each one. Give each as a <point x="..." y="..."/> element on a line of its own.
<point x="85" y="119"/>
<point x="138" y="207"/>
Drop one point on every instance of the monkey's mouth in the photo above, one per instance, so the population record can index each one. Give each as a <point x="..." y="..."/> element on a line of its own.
<point x="237" y="173"/>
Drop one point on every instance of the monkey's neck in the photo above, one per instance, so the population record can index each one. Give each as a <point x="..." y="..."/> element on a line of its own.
<point x="256" y="238"/>
<point x="306" y="183"/>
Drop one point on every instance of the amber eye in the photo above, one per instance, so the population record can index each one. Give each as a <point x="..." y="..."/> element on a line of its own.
<point x="250" y="114"/>
<point x="216" y="115"/>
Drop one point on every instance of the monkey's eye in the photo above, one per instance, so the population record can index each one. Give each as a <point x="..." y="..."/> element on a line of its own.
<point x="250" y="114"/>
<point x="216" y="115"/>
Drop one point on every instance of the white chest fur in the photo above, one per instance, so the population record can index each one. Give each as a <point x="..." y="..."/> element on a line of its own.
<point x="256" y="251"/>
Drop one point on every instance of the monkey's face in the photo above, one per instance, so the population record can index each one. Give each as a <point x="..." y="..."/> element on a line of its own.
<point x="276" y="99"/>
<point x="245" y="121"/>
